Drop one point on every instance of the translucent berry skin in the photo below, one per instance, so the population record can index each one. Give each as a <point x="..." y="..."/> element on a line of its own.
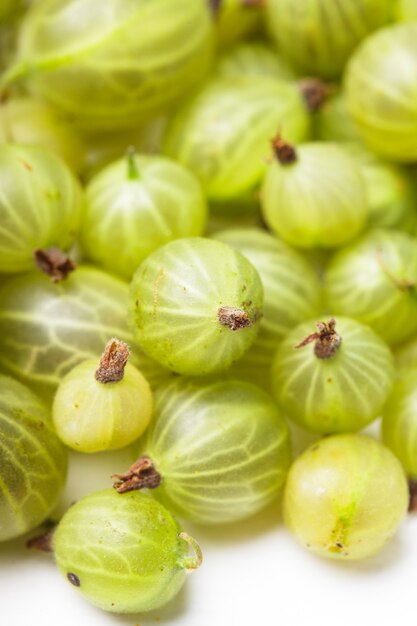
<point x="333" y="121"/>
<point x="124" y="551"/>
<point x="33" y="462"/>
<point x="177" y="296"/>
<point x="236" y="20"/>
<point x="292" y="294"/>
<point x="222" y="134"/>
<point x="40" y="205"/>
<point x="319" y="200"/>
<point x="90" y="416"/>
<point x="345" y="497"/>
<point x="24" y="120"/>
<point x="390" y="190"/>
<point x="254" y="58"/>
<point x="221" y="448"/>
<point x="374" y="280"/>
<point x="110" y="68"/>
<point x="380" y="89"/>
<point x="129" y="214"/>
<point x="319" y="36"/>
<point x="46" y="329"/>
<point x="339" y="394"/>
<point x="407" y="10"/>
<point x="399" y="422"/>
<point x="7" y="7"/>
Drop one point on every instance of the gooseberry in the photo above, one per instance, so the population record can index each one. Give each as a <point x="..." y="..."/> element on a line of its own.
<point x="217" y="451"/>
<point x="318" y="36"/>
<point x="221" y="134"/>
<point x="109" y="65"/>
<point x="374" y="280"/>
<point x="196" y="305"/>
<point x="136" y="205"/>
<point x="102" y="406"/>
<point x="124" y="555"/>
<point x="40" y="205"/>
<point x="33" y="462"/>
<point x="48" y="328"/>
<point x="400" y="421"/>
<point x="254" y="58"/>
<point x="345" y="497"/>
<point x="380" y="89"/>
<point x="313" y="195"/>
<point x="333" y="380"/>
<point x="24" y="120"/>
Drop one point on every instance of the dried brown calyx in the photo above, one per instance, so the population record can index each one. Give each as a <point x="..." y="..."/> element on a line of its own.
<point x="326" y="340"/>
<point x="42" y="542"/>
<point x="54" y="262"/>
<point x="283" y="151"/>
<point x="113" y="362"/>
<point x="215" y="6"/>
<point x="253" y="4"/>
<point x="234" y="318"/>
<point x="412" y="485"/>
<point x="141" y="475"/>
<point x="315" y="92"/>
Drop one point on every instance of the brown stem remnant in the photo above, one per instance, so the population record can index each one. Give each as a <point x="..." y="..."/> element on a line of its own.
<point x="284" y="152"/>
<point x="412" y="485"/>
<point x="42" y="542"/>
<point x="215" y="6"/>
<point x="253" y="4"/>
<point x="327" y="341"/>
<point x="141" y="475"/>
<point x="54" y="262"/>
<point x="113" y="362"/>
<point x="315" y="93"/>
<point x="403" y="284"/>
<point x="233" y="318"/>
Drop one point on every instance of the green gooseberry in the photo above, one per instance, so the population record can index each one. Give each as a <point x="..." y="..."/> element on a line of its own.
<point x="105" y="407"/>
<point x="336" y="380"/>
<point x="345" y="497"/>
<point x="47" y="328"/>
<point x="40" y="205"/>
<point x="399" y="421"/>
<point x="123" y="554"/>
<point x="196" y="305"/>
<point x="407" y="10"/>
<point x="237" y="20"/>
<point x="374" y="280"/>
<point x="217" y="451"/>
<point x="222" y="134"/>
<point x="319" y="36"/>
<point x="33" y="462"/>
<point x="136" y="205"/>
<point x="333" y="122"/>
<point x="110" y="68"/>
<point x="390" y="189"/>
<point x="24" y="120"/>
<point x="254" y="58"/>
<point x="313" y="195"/>
<point x="380" y="90"/>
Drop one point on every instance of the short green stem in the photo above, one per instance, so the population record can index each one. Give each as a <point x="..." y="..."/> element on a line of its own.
<point x="132" y="165"/>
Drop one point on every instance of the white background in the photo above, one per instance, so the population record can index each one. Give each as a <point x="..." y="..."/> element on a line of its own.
<point x="253" y="575"/>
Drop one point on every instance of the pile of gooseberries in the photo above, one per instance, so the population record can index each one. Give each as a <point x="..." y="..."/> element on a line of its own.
<point x="208" y="248"/>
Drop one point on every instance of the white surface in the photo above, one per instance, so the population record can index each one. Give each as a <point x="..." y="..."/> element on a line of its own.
<point x="253" y="575"/>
